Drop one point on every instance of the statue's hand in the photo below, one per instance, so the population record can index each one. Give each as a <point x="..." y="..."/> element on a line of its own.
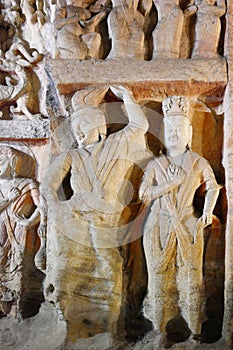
<point x="120" y="91"/>
<point x="175" y="173"/>
<point x="13" y="193"/>
<point x="22" y="220"/>
<point x="206" y="219"/>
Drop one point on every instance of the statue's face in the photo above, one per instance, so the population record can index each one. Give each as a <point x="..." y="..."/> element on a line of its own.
<point x="5" y="166"/>
<point x="85" y="133"/>
<point x="86" y="128"/>
<point x="177" y="132"/>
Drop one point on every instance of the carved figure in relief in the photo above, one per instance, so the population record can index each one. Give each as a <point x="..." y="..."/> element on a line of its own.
<point x="186" y="40"/>
<point x="168" y="31"/>
<point x="25" y="93"/>
<point x="90" y="225"/>
<point x="19" y="219"/>
<point x="34" y="26"/>
<point x="13" y="20"/>
<point x="126" y="30"/>
<point x="76" y="32"/>
<point x="173" y="234"/>
<point x="208" y="27"/>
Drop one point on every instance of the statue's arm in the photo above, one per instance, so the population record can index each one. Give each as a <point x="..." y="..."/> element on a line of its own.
<point x="218" y="10"/>
<point x="61" y="20"/>
<point x="210" y="201"/>
<point x="212" y="192"/>
<point x="13" y="194"/>
<point x="91" y="23"/>
<point x="150" y="191"/>
<point x="54" y="177"/>
<point x="136" y="117"/>
<point x="190" y="10"/>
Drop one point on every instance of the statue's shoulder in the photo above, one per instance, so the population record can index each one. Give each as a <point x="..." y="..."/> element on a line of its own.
<point x="201" y="162"/>
<point x="161" y="160"/>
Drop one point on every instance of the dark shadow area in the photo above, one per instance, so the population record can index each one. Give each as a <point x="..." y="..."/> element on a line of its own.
<point x="33" y="295"/>
<point x="177" y="331"/>
<point x="65" y="192"/>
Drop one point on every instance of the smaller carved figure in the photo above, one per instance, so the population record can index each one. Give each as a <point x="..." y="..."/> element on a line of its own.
<point x="19" y="219"/>
<point x="173" y="234"/>
<point x="33" y="27"/>
<point x="126" y="30"/>
<point x="208" y="27"/>
<point x="24" y="94"/>
<point x="76" y="32"/>
<point x="168" y="31"/>
<point x="12" y="16"/>
<point x="186" y="38"/>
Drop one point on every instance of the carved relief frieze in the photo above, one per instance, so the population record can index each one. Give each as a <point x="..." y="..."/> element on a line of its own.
<point x="113" y="206"/>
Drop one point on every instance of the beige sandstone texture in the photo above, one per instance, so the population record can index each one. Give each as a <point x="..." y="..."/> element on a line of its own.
<point x="116" y="174"/>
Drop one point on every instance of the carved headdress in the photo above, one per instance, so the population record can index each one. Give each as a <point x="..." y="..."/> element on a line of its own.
<point x="176" y="105"/>
<point x="86" y="105"/>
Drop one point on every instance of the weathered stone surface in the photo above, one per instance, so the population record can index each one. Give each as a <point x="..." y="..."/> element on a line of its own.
<point x="24" y="129"/>
<point x="150" y="80"/>
<point x="87" y="227"/>
<point x="173" y="232"/>
<point x="208" y="28"/>
<point x="98" y="291"/>
<point x="21" y="211"/>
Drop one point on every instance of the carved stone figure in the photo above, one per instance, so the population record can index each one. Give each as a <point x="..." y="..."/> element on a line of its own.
<point x="208" y="27"/>
<point x="19" y="218"/>
<point x="88" y="226"/>
<point x="76" y="32"/>
<point x="168" y="31"/>
<point x="173" y="233"/>
<point x="34" y="26"/>
<point x="13" y="20"/>
<point x="126" y="30"/>
<point x="9" y="91"/>
<point x="25" y="93"/>
<point x="186" y="37"/>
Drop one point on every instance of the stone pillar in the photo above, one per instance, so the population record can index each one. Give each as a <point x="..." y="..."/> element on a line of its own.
<point x="228" y="165"/>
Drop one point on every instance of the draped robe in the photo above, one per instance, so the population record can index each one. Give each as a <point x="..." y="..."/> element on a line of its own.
<point x="85" y="265"/>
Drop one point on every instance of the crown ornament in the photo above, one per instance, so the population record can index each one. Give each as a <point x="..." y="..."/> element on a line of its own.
<point x="176" y="105"/>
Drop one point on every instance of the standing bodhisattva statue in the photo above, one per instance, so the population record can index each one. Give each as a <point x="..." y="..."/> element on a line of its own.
<point x="173" y="234"/>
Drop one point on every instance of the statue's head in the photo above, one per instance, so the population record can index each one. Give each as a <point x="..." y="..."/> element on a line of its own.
<point x="127" y="3"/>
<point x="80" y="3"/>
<point x="88" y="125"/>
<point x="15" y="163"/>
<point x="80" y="11"/>
<point x="177" y="126"/>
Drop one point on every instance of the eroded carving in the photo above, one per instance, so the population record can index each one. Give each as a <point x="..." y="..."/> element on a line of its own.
<point x="208" y="27"/>
<point x="35" y="29"/>
<point x="77" y="35"/>
<point x="11" y="22"/>
<point x="23" y="96"/>
<point x="168" y="31"/>
<point x="126" y="26"/>
<point x="95" y="214"/>
<point x="186" y="37"/>
<point x="20" y="210"/>
<point x="173" y="234"/>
